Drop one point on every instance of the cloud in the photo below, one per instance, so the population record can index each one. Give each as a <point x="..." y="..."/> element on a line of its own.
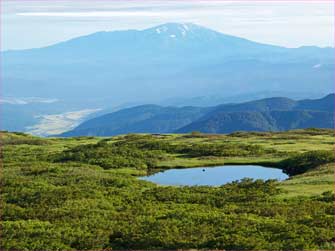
<point x="286" y="23"/>
<point x="27" y="100"/>
<point x="53" y="124"/>
<point x="98" y="14"/>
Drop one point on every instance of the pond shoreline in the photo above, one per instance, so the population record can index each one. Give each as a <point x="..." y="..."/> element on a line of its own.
<point x="270" y="164"/>
<point x="213" y="175"/>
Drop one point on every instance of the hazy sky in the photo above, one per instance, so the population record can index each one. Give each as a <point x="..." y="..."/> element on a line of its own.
<point x="28" y="24"/>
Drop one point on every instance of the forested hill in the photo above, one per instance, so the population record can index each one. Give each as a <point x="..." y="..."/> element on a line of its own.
<point x="272" y="114"/>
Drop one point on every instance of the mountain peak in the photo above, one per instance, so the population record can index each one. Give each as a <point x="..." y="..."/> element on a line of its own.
<point x="175" y="30"/>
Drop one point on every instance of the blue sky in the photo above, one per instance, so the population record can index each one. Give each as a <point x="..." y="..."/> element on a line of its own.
<point x="30" y="23"/>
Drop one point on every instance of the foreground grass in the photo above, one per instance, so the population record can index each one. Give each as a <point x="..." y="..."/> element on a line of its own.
<point x="52" y="200"/>
<point x="311" y="183"/>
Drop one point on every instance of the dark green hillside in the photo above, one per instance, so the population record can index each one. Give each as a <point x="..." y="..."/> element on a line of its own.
<point x="281" y="104"/>
<point x="302" y="162"/>
<point x="271" y="114"/>
<point x="223" y="122"/>
<point x="140" y="119"/>
<point x="227" y="122"/>
<point x="83" y="193"/>
<point x="262" y="105"/>
<point x="324" y="104"/>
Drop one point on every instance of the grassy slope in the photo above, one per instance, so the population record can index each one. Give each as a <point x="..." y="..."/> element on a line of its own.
<point x="311" y="183"/>
<point x="63" y="199"/>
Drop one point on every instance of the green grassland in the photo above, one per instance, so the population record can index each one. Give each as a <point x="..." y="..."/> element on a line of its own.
<point x="83" y="193"/>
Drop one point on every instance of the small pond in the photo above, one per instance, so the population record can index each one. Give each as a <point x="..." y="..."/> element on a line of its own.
<point x="214" y="176"/>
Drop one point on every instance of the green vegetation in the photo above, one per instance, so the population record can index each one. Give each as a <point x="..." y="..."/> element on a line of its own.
<point x="313" y="182"/>
<point x="302" y="162"/>
<point x="82" y="193"/>
<point x="111" y="156"/>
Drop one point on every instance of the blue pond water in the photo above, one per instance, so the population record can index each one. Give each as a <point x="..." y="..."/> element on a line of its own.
<point x="214" y="176"/>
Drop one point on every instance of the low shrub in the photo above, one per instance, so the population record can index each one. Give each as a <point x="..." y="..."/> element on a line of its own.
<point x="303" y="162"/>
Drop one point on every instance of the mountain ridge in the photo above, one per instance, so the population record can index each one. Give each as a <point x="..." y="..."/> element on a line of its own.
<point x="171" y="26"/>
<point x="107" y="69"/>
<point x="270" y="114"/>
<point x="178" y="64"/>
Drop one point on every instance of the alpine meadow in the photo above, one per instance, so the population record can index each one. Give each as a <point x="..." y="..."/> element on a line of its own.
<point x="167" y="125"/>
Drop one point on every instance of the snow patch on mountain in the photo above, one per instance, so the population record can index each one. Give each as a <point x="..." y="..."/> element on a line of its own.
<point x="174" y="29"/>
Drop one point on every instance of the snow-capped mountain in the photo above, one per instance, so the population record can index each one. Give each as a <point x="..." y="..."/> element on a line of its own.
<point x="167" y="61"/>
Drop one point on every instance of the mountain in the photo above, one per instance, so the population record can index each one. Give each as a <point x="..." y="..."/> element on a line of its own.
<point x="108" y="69"/>
<point x="140" y="119"/>
<point x="271" y="114"/>
<point x="228" y="122"/>
<point x="215" y="100"/>
<point x="164" y="61"/>
<point x="323" y="104"/>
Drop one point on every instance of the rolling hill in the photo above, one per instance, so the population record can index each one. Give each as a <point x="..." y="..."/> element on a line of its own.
<point x="145" y="118"/>
<point x="272" y="114"/>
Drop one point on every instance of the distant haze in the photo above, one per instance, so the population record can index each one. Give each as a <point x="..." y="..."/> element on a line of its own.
<point x="284" y="23"/>
<point x="172" y="64"/>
